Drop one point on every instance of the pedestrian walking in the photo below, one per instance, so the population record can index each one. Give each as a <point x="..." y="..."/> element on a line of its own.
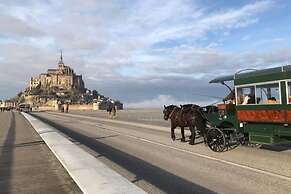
<point x="109" y="110"/>
<point x="67" y="108"/>
<point x="114" y="111"/>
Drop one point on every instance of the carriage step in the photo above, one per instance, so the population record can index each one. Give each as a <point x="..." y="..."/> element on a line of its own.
<point x="263" y="138"/>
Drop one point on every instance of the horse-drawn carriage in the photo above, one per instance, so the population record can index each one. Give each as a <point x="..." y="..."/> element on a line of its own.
<point x="257" y="110"/>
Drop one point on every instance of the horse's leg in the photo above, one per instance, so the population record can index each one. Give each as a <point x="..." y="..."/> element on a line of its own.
<point x="173" y="132"/>
<point x="201" y="126"/>
<point x="191" y="133"/>
<point x="204" y="132"/>
<point x="192" y="140"/>
<point x="183" y="134"/>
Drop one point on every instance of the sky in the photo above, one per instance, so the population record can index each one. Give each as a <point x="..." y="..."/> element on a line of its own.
<point x="145" y="53"/>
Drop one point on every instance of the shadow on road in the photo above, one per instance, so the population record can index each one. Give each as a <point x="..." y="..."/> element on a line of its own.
<point x="25" y="144"/>
<point x="6" y="157"/>
<point x="162" y="179"/>
<point x="104" y="137"/>
<point x="277" y="147"/>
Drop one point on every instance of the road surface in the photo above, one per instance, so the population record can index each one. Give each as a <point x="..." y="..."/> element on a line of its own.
<point x="26" y="163"/>
<point x="150" y="159"/>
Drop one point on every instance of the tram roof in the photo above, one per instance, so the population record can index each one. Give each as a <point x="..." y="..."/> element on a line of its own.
<point x="252" y="73"/>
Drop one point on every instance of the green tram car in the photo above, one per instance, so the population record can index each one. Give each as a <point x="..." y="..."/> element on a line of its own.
<point x="257" y="110"/>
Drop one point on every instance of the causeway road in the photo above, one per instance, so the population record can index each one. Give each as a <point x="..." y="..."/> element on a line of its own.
<point x="26" y="163"/>
<point x="138" y="146"/>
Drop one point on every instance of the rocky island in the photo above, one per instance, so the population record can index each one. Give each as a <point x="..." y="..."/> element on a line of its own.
<point x="62" y="86"/>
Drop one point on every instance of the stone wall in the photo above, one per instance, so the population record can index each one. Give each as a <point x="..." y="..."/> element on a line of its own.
<point x="57" y="107"/>
<point x="44" y="108"/>
<point x="71" y="107"/>
<point x="80" y="107"/>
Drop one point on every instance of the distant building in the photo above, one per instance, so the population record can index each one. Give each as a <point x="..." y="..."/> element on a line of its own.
<point x="8" y="104"/>
<point x="62" y="78"/>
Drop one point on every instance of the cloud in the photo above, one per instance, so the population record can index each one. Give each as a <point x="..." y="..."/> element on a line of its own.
<point x="160" y="101"/>
<point x="13" y="26"/>
<point x="202" y="24"/>
<point x="137" y="51"/>
<point x="197" y="62"/>
<point x="237" y="18"/>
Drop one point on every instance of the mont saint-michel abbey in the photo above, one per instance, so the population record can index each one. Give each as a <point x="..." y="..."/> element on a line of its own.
<point x="62" y="78"/>
<point x="62" y="85"/>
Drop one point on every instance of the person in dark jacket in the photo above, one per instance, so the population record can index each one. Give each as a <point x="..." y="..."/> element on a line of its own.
<point x="109" y="109"/>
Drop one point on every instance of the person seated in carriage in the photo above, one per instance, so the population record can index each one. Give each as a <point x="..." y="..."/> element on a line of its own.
<point x="246" y="99"/>
<point x="272" y="100"/>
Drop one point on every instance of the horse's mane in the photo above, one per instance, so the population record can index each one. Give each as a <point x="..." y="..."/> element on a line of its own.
<point x="189" y="106"/>
<point x="172" y="106"/>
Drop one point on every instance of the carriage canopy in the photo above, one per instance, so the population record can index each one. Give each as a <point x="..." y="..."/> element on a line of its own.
<point x="252" y="74"/>
<point x="222" y="79"/>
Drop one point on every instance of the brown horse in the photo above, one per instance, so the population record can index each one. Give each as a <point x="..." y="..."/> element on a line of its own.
<point x="188" y="117"/>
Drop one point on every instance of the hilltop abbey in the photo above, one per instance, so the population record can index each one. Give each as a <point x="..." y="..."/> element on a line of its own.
<point x="62" y="79"/>
<point x="62" y="85"/>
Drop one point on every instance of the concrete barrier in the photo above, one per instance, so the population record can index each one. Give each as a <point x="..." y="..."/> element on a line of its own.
<point x="91" y="175"/>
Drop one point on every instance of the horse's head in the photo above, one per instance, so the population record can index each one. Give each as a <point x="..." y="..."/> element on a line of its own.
<point x="168" y="110"/>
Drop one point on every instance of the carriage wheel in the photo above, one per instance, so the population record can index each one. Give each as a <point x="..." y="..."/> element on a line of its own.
<point x="216" y="140"/>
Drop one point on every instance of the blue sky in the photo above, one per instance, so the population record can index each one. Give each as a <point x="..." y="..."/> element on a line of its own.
<point x="144" y="52"/>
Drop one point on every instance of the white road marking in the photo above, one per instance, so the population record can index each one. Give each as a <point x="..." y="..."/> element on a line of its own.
<point x="257" y="170"/>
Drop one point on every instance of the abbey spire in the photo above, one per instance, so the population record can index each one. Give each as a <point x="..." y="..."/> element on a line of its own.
<point x="61" y="58"/>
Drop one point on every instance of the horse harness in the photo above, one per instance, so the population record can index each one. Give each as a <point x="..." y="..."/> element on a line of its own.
<point x="183" y="113"/>
<point x="176" y="118"/>
<point x="172" y="112"/>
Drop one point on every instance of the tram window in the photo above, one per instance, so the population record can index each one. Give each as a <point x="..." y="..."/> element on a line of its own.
<point x="289" y="92"/>
<point x="246" y="95"/>
<point x="268" y="94"/>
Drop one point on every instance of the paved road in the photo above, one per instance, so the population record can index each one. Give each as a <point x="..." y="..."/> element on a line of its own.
<point x="26" y="163"/>
<point x="149" y="158"/>
<point x="146" y="116"/>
